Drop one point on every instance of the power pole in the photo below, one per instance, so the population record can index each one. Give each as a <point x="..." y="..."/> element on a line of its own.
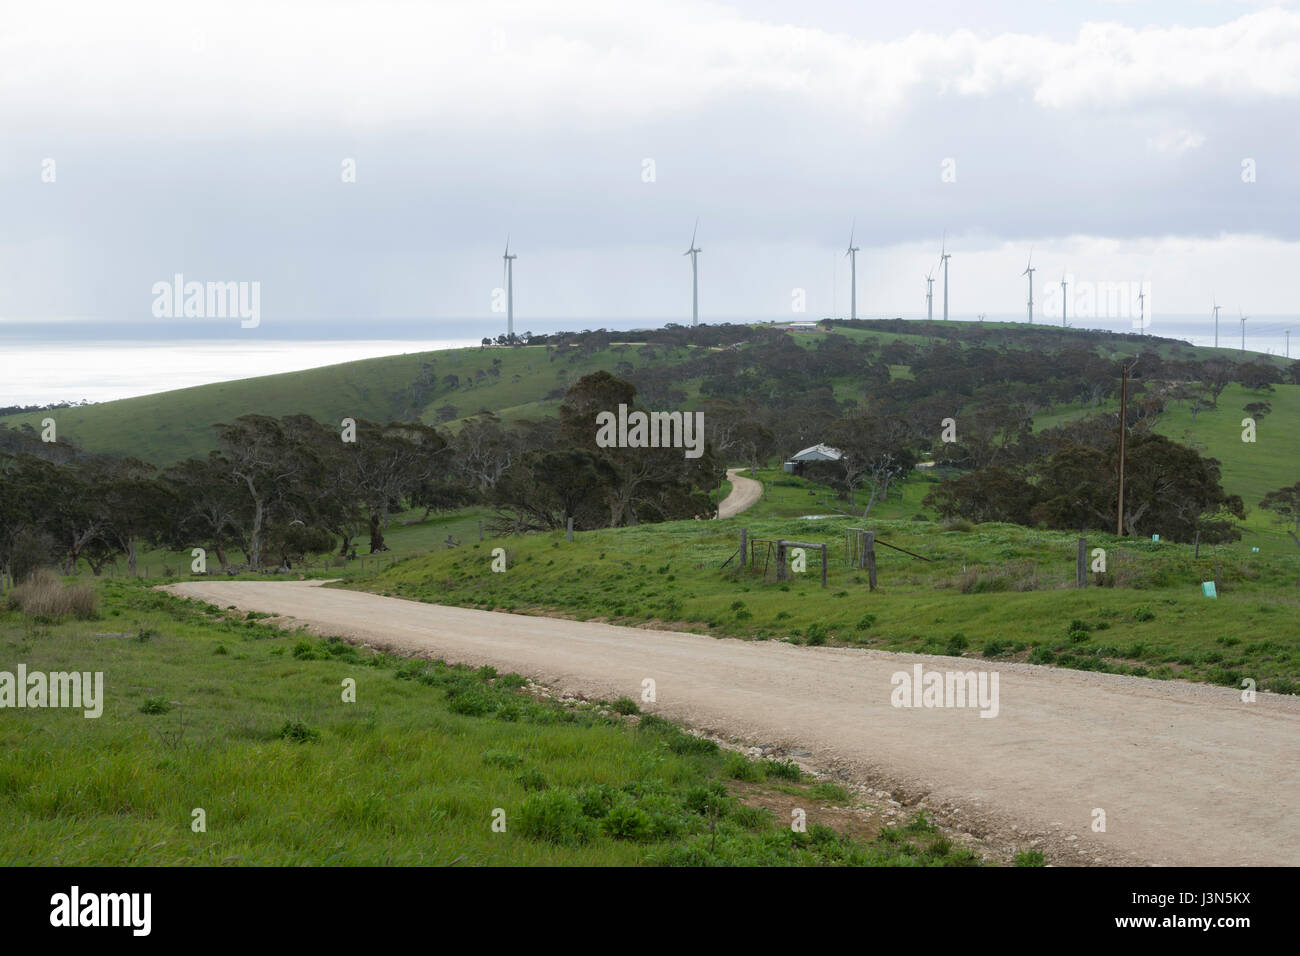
<point x="1123" y="434"/>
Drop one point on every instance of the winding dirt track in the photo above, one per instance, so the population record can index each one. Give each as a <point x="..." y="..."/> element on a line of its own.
<point x="1186" y="773"/>
<point x="744" y="492"/>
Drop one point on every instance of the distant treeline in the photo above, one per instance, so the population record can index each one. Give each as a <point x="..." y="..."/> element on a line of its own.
<point x="51" y="407"/>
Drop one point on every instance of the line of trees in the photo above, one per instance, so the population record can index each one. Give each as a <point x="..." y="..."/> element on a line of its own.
<point x="279" y="489"/>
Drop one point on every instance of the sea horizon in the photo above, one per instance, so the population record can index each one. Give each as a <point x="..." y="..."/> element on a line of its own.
<point x="101" y="361"/>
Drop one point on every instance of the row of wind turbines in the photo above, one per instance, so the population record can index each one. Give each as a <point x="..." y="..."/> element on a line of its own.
<point x="508" y="270"/>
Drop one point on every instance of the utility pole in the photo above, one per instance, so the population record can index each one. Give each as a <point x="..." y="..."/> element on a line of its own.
<point x="1123" y="429"/>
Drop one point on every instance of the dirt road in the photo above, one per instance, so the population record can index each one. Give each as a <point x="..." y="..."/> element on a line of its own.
<point x="744" y="492"/>
<point x="1186" y="773"/>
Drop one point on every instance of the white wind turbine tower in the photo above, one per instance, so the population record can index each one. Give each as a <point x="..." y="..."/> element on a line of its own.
<point x="853" y="273"/>
<point x="1063" y="300"/>
<point x="508" y="267"/>
<point x="695" y="275"/>
<point x="1217" y="307"/>
<point x="944" y="256"/>
<point x="1142" y="311"/>
<point x="1243" y="329"/>
<point x="929" y="295"/>
<point x="1029" y="271"/>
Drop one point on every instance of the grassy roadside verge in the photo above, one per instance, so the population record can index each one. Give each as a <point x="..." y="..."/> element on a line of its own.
<point x="996" y="592"/>
<point x="206" y="709"/>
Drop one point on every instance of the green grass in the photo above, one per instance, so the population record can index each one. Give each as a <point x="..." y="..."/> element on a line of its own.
<point x="170" y="426"/>
<point x="247" y="722"/>
<point x="1251" y="470"/>
<point x="792" y="496"/>
<point x="997" y="591"/>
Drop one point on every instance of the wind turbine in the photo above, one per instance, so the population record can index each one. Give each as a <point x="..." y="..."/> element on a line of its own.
<point x="1142" y="310"/>
<point x="944" y="256"/>
<point x="929" y="295"/>
<point x="853" y="273"/>
<point x="1029" y="271"/>
<point x="1217" y="307"/>
<point x="695" y="275"/>
<point x="1243" y="329"/>
<point x="508" y="267"/>
<point x="1063" y="285"/>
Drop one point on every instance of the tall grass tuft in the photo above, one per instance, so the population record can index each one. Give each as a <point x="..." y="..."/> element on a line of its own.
<point x="44" y="596"/>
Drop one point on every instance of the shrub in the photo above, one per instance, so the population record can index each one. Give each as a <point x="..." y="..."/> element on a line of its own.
<point x="597" y="800"/>
<point x="532" y="779"/>
<point x="625" y="821"/>
<point x="782" y="769"/>
<point x="626" y="706"/>
<point x="866" y="622"/>
<point x="1030" y="858"/>
<point x="956" y="644"/>
<point x="700" y="798"/>
<point x="43" y="595"/>
<point x="298" y="732"/>
<point x="816" y="635"/>
<point x="995" y="648"/>
<point x="740" y="767"/>
<point x="921" y="824"/>
<point x="155" y="705"/>
<point x="554" y="816"/>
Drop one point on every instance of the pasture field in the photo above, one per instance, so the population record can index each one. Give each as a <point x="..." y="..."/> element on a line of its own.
<point x="206" y="709"/>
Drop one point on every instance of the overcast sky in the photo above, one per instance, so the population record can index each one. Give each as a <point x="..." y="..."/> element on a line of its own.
<point x="209" y="139"/>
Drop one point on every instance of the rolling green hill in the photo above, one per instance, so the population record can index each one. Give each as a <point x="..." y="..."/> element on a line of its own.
<point x="515" y="383"/>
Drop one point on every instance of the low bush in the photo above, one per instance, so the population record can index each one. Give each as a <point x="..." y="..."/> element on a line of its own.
<point x="44" y="596"/>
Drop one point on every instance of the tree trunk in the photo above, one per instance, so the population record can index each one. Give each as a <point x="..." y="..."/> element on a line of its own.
<point x="255" y="540"/>
<point x="376" y="534"/>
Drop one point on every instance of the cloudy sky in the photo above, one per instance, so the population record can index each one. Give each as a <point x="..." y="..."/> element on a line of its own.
<point x="1134" y="142"/>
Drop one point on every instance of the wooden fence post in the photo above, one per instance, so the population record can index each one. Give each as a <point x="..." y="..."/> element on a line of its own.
<point x="780" y="559"/>
<point x="823" y="565"/>
<point x="570" y="531"/>
<point x="869" y="556"/>
<point x="1081" y="566"/>
<point x="744" y="544"/>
